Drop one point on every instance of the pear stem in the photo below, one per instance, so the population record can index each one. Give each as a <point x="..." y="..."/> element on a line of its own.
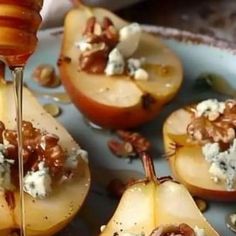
<point x="148" y="166"/>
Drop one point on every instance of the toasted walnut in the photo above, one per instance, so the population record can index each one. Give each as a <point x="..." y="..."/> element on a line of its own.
<point x="93" y="61"/>
<point x="106" y="23"/>
<point x="2" y="128"/>
<point x="49" y="151"/>
<point x="90" y="25"/>
<point x="37" y="146"/>
<point x="45" y="75"/>
<point x="139" y="142"/>
<point x="132" y="145"/>
<point x="221" y="129"/>
<point x="10" y="136"/>
<point x="171" y="230"/>
<point x="121" y="149"/>
<point x="101" y="38"/>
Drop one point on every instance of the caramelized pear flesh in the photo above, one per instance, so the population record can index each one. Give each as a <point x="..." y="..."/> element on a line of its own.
<point x="47" y="216"/>
<point x="186" y="159"/>
<point x="150" y="204"/>
<point x="117" y="101"/>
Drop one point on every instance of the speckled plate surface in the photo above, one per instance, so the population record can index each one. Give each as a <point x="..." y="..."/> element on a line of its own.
<point x="199" y="54"/>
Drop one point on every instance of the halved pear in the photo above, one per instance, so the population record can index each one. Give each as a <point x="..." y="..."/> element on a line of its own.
<point x="47" y="216"/>
<point x="118" y="101"/>
<point x="187" y="162"/>
<point x="152" y="203"/>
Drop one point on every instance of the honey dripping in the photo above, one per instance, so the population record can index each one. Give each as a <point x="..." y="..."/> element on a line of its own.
<point x="19" y="22"/>
<point x="17" y="74"/>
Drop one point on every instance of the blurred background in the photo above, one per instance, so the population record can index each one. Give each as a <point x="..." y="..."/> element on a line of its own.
<point x="215" y="18"/>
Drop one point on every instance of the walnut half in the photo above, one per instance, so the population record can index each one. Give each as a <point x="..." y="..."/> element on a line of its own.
<point x="172" y="230"/>
<point x="102" y="38"/>
<point x="221" y="129"/>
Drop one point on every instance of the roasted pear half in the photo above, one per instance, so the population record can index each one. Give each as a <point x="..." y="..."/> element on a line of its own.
<point x="47" y="216"/>
<point x="153" y="204"/>
<point x="187" y="161"/>
<point x="118" y="101"/>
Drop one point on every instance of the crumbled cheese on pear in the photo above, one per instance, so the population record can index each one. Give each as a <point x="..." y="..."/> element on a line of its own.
<point x="115" y="64"/>
<point x="199" y="231"/>
<point x="5" y="170"/>
<point x="141" y="74"/>
<point x="134" y="69"/>
<point x="73" y="160"/>
<point x="38" y="183"/>
<point x="223" y="164"/>
<point x="133" y="64"/>
<point x="83" y="45"/>
<point x="129" y="38"/>
<point x="210" y="151"/>
<point x="217" y="172"/>
<point x="209" y="108"/>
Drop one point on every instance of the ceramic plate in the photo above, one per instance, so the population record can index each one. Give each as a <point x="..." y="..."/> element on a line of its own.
<point x="199" y="54"/>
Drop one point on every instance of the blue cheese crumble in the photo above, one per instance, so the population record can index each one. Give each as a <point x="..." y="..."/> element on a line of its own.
<point x="38" y="183"/>
<point x="119" y="61"/>
<point x="129" y="38"/>
<point x="134" y="69"/>
<point x="115" y="64"/>
<point x="5" y="170"/>
<point x="222" y="163"/>
<point x="73" y="160"/>
<point x="83" y="45"/>
<point x="210" y="108"/>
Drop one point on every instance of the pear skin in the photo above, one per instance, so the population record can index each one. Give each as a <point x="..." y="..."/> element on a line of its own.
<point x="152" y="203"/>
<point x="184" y="154"/>
<point x="50" y="215"/>
<point x="98" y="96"/>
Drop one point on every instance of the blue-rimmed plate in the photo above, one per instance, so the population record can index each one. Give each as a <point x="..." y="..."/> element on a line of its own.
<point x="199" y="55"/>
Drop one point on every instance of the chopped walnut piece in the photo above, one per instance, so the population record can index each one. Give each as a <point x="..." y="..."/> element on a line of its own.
<point x="121" y="149"/>
<point x="97" y="29"/>
<point x="45" y="75"/>
<point x="133" y="144"/>
<point x="106" y="22"/>
<point x="93" y="61"/>
<point x="2" y="128"/>
<point x="139" y="142"/>
<point x="37" y="146"/>
<point x="221" y="129"/>
<point x="172" y="230"/>
<point x="102" y="39"/>
<point x="90" y="25"/>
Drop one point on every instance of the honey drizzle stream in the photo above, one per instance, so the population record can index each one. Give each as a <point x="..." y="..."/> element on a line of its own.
<point x="17" y="74"/>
